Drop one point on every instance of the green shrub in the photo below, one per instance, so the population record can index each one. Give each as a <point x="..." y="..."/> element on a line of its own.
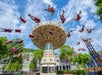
<point x="99" y="72"/>
<point x="60" y="72"/>
<point x="32" y="66"/>
<point x="81" y="72"/>
<point x="78" y="72"/>
<point x="15" y="65"/>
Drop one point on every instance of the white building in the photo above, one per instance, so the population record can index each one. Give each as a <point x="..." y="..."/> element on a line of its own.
<point x="26" y="62"/>
<point x="63" y="64"/>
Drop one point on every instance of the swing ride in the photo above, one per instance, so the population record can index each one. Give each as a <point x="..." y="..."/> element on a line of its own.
<point x="50" y="35"/>
<point x="49" y="32"/>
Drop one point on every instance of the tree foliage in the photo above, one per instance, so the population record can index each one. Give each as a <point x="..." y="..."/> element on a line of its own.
<point x="66" y="52"/>
<point x="81" y="59"/>
<point x="98" y="3"/>
<point x="32" y="65"/>
<point x="38" y="54"/>
<point x="3" y="48"/>
<point x="14" y="65"/>
<point x="12" y="61"/>
<point x="18" y="46"/>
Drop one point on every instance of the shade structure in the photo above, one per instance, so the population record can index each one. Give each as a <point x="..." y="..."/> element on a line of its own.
<point x="49" y="32"/>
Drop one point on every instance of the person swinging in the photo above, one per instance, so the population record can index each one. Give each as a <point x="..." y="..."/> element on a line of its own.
<point x="35" y="19"/>
<point x="63" y="19"/>
<point x="78" y="17"/>
<point x="50" y="9"/>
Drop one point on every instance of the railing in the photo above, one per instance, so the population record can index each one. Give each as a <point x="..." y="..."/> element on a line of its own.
<point x="49" y="23"/>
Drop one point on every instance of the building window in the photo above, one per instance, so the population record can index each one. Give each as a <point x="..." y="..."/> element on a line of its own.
<point x="45" y="60"/>
<point x="48" y="46"/>
<point x="50" y="59"/>
<point x="63" y="67"/>
<point x="57" y="67"/>
<point x="67" y="67"/>
<point x="48" y="70"/>
<point x="53" y="69"/>
<point x="57" y="60"/>
<point x="44" y="69"/>
<point x="51" y="47"/>
<point x="60" y="68"/>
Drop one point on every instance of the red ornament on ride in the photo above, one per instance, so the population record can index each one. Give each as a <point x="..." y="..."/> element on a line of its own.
<point x="8" y="30"/>
<point x="68" y="35"/>
<point x="31" y="36"/>
<point x="22" y="20"/>
<point x="19" y="41"/>
<point x="51" y="32"/>
<point x="89" y="30"/>
<point x="50" y="9"/>
<point x="78" y="43"/>
<point x="10" y="41"/>
<point x="78" y="17"/>
<point x="82" y="29"/>
<point x="17" y="30"/>
<point x="81" y="49"/>
<point x="12" y="50"/>
<point x="20" y="56"/>
<point x="35" y="19"/>
<point x="6" y="43"/>
<point x="63" y="19"/>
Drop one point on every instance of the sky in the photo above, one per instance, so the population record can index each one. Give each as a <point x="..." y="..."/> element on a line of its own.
<point x="11" y="10"/>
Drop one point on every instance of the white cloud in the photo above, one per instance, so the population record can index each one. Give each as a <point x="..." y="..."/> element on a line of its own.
<point x="49" y="2"/>
<point x="95" y="35"/>
<point x="90" y="24"/>
<point x="22" y="27"/>
<point x="9" y="14"/>
<point x="89" y="4"/>
<point x="84" y="17"/>
<point x="35" y="8"/>
<point x="97" y="38"/>
<point x="87" y="7"/>
<point x="73" y="7"/>
<point x="69" y="12"/>
<point x="9" y="18"/>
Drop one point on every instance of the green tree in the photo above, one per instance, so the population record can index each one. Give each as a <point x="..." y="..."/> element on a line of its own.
<point x="38" y="54"/>
<point x="3" y="48"/>
<point x="15" y="62"/>
<point x="18" y="46"/>
<point x="98" y="3"/>
<point x="81" y="59"/>
<point x="32" y="65"/>
<point x="66" y="52"/>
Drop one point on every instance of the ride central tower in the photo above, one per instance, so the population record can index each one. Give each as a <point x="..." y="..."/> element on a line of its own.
<point x="49" y="36"/>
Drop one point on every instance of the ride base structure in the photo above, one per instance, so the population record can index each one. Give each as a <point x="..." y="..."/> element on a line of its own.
<point x="49" y="36"/>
